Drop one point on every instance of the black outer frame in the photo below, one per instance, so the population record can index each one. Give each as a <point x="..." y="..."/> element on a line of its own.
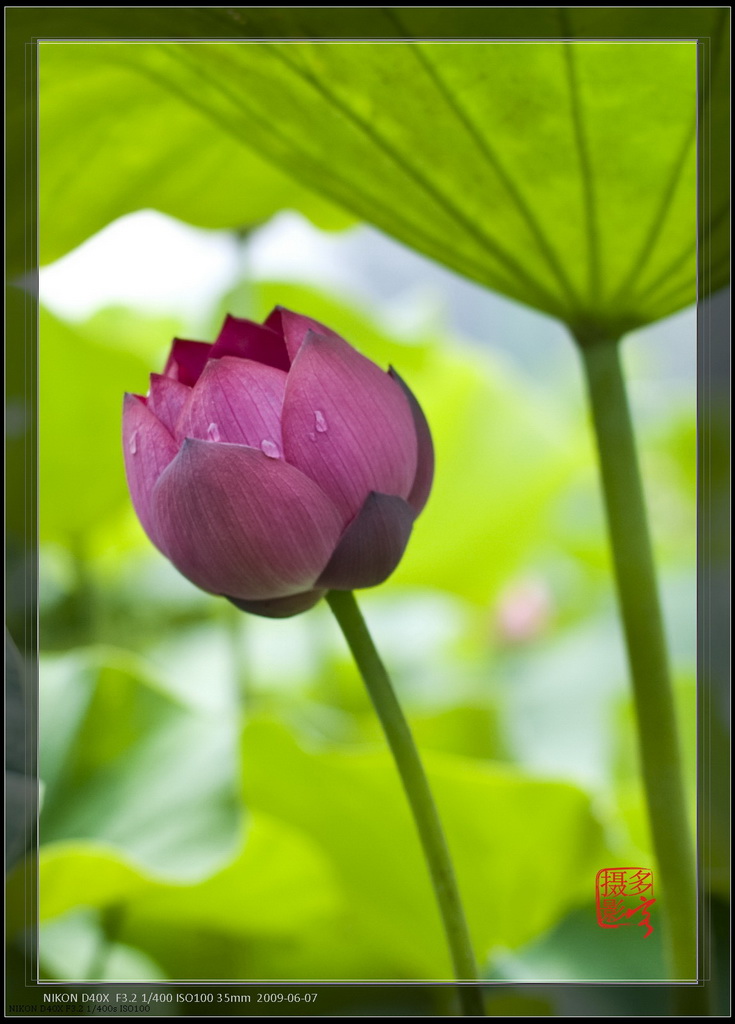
<point x="710" y="27"/>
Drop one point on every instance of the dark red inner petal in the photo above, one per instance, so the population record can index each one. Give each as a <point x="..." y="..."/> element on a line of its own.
<point x="274" y="320"/>
<point x="186" y="360"/>
<point x="249" y="340"/>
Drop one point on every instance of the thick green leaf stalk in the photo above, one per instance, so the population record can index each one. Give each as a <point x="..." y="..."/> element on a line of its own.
<point x="658" y="742"/>
<point x="416" y="787"/>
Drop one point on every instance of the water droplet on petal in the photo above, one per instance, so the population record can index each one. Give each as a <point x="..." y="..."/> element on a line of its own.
<point x="270" y="448"/>
<point x="312" y="437"/>
<point x="213" y="432"/>
<point x="133" y="443"/>
<point x="320" y="422"/>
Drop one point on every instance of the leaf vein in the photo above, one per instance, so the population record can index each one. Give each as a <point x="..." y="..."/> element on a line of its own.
<point x="493" y="160"/>
<point x="429" y="188"/>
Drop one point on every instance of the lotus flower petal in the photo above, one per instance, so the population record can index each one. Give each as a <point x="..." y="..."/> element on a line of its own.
<point x="248" y="340"/>
<point x="281" y="607"/>
<point x="240" y="524"/>
<point x="236" y="401"/>
<point x="166" y="399"/>
<point x="293" y="328"/>
<point x="347" y="425"/>
<point x="148" y="448"/>
<point x="372" y="545"/>
<point x="277" y="463"/>
<point x="425" y="463"/>
<point x="187" y="360"/>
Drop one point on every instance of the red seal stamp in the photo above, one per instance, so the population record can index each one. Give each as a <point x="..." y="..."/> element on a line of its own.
<point x="624" y="896"/>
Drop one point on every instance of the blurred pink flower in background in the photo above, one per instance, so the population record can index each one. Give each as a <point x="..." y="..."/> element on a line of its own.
<point x="523" y="611"/>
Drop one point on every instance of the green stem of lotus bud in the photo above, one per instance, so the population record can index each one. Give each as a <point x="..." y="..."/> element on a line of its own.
<point x="417" y="790"/>
<point x="236" y="640"/>
<point x="658" y="742"/>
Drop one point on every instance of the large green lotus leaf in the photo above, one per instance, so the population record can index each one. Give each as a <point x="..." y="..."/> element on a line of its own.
<point x="246" y="920"/>
<point x="84" y="874"/>
<point x="524" y="849"/>
<point x="277" y="888"/>
<point x="560" y="174"/>
<point x="278" y="884"/>
<point x="280" y="878"/>
<point x="113" y="141"/>
<point x="123" y="763"/>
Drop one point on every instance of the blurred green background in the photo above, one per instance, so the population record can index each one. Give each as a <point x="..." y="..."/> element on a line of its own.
<point x="217" y="801"/>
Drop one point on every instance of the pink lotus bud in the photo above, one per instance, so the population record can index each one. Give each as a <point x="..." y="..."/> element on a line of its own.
<point x="277" y="463"/>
